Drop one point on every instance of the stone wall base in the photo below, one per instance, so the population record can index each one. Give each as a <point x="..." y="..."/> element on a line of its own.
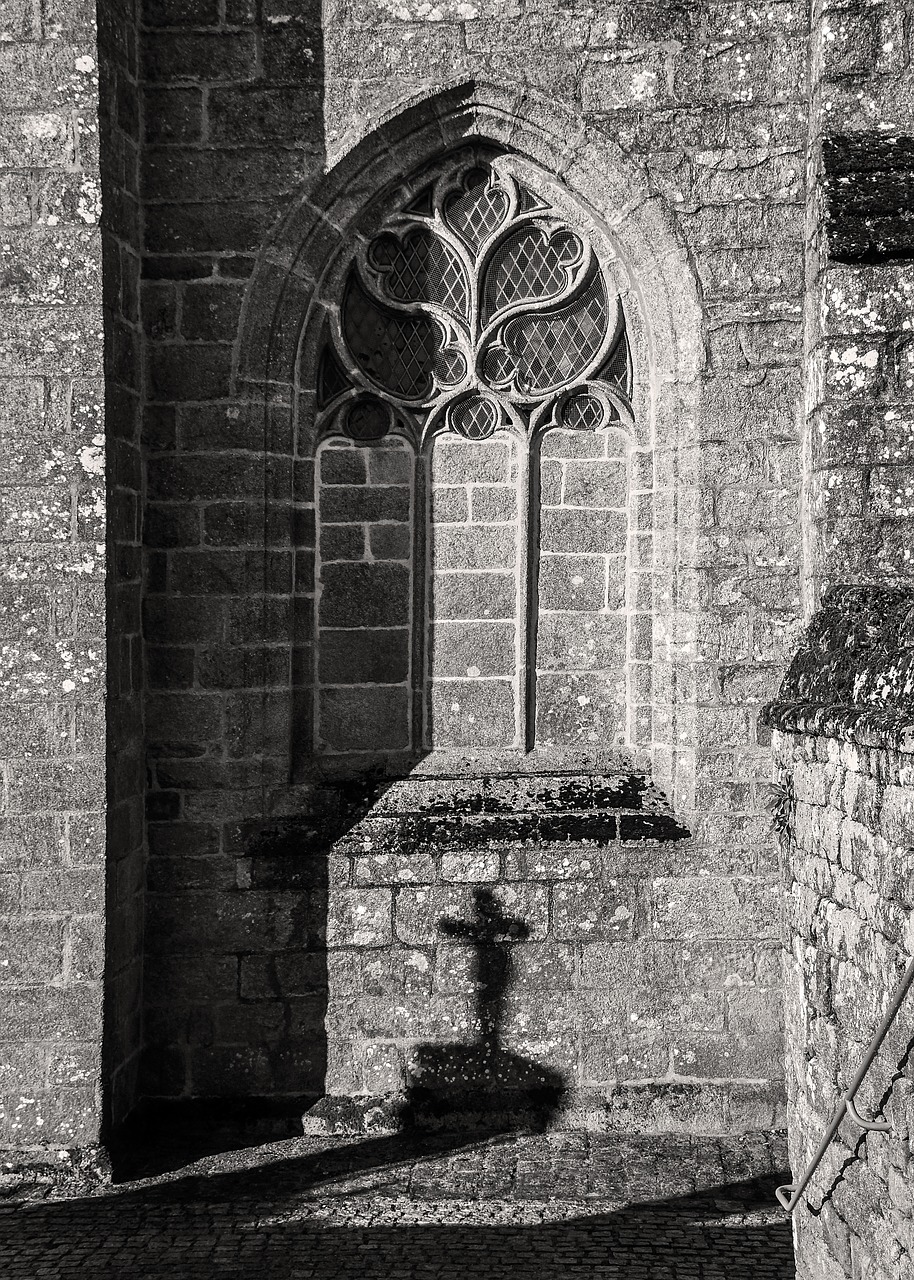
<point x="715" y="1108"/>
<point x="53" y="1173"/>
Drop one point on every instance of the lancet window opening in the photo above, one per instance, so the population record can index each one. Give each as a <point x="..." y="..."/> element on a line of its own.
<point x="475" y="311"/>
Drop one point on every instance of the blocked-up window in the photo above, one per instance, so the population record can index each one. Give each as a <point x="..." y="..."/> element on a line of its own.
<point x="472" y="477"/>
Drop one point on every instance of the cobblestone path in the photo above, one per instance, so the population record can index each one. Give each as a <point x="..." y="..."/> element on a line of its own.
<point x="557" y="1207"/>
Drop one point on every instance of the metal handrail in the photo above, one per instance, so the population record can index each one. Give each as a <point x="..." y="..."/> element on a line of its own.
<point x="789" y="1195"/>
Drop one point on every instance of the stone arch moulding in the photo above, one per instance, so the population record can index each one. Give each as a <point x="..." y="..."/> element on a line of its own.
<point x="588" y="175"/>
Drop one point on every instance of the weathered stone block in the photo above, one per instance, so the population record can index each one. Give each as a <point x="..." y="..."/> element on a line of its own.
<point x="467" y="547"/>
<point x="476" y="867"/>
<point x="370" y="656"/>
<point x="36" y="785"/>
<point x="566" y="531"/>
<point x="595" y="485"/>
<point x="30" y="950"/>
<point x="582" y="910"/>
<point x="364" y="595"/>
<point x="632" y="79"/>
<point x="491" y="504"/>
<point x="625" y="1055"/>
<point x="450" y="505"/>
<point x="198" y="56"/>
<point x="736" y="71"/>
<point x="473" y="713"/>
<point x="390" y="541"/>
<point x="421" y="913"/>
<point x="393" y="868"/>
<point x="473" y="595"/>
<point x="365" y="718"/>
<point x="456" y="461"/>
<point x="342" y="542"/>
<point x="473" y="649"/>
<point x="714" y="906"/>
<point x="390" y="463"/>
<point x="567" y="642"/>
<point x="341" y="503"/>
<point x="572" y="582"/>
<point x="343" y="466"/>
<point x="561" y="863"/>
<point x="578" y="708"/>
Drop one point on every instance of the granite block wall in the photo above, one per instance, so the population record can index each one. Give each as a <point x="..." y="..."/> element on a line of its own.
<point x="706" y="106"/>
<point x="859" y="375"/>
<point x="52" y="581"/>
<point x="848" y="873"/>
<point x="843" y="742"/>
<point x="232" y="125"/>
<point x="681" y="129"/>
<point x="842" y="750"/>
<point x="548" y="950"/>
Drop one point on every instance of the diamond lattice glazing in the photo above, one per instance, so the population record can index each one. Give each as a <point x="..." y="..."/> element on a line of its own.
<point x="527" y="308"/>
<point x="395" y="351"/>
<point x="583" y="413"/>
<point x="479" y="210"/>
<point x="476" y="419"/>
<point x="531" y="266"/>
<point x="421" y="268"/>
<point x="550" y="349"/>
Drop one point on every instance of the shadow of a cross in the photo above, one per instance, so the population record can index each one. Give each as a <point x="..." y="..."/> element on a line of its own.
<point x="483" y="1084"/>
<point x="492" y="934"/>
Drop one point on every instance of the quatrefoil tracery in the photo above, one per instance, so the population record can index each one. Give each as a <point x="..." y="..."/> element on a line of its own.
<point x="475" y="307"/>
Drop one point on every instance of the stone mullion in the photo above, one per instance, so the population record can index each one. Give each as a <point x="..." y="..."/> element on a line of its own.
<point x="421" y="594"/>
<point x="530" y="533"/>
<point x="525" y="632"/>
<point x="425" y="568"/>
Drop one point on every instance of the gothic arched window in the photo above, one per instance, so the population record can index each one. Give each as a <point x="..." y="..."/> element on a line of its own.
<point x="473" y="402"/>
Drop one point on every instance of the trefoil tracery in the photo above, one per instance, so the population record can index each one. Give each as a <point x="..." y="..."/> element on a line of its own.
<point x="475" y="308"/>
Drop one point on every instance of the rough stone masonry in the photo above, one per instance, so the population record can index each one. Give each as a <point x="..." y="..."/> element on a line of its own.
<point x="382" y="734"/>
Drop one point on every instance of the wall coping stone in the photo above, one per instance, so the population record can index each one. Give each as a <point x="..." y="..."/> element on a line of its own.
<point x="881" y="730"/>
<point x="852" y="677"/>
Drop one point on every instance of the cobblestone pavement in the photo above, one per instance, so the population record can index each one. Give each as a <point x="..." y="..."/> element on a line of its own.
<point x="554" y="1207"/>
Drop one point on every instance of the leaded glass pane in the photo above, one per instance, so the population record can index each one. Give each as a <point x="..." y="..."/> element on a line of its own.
<point x="475" y="284"/>
<point x="470" y="503"/>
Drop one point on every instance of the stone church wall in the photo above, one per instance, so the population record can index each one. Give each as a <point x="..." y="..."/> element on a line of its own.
<point x="848" y="877"/>
<point x="843" y="754"/>
<point x="843" y="717"/>
<point x="233" y="124"/>
<point x="119" y="135"/>
<point x="243" y="111"/>
<point x="52" y="580"/>
<point x="859" y="380"/>
<point x="278" y="957"/>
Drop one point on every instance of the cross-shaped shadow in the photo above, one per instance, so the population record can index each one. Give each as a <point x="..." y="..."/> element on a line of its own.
<point x="483" y="1082"/>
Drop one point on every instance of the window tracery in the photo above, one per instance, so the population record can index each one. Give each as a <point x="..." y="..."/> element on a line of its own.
<point x="475" y="307"/>
<point x="476" y="310"/>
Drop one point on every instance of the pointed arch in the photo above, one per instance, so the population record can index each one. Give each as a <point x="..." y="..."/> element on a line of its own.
<point x="661" y="298"/>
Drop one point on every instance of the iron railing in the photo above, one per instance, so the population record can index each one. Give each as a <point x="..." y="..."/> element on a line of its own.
<point x="789" y="1195"/>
